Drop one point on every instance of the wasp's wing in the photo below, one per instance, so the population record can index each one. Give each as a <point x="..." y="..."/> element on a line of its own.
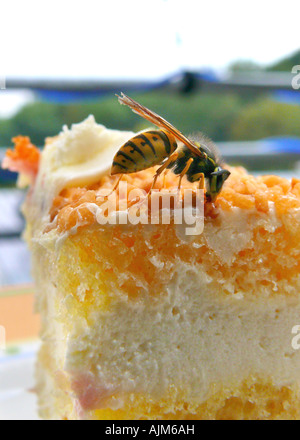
<point x="159" y="121"/>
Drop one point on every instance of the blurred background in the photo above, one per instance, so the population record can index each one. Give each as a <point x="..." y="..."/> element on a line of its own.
<point x="224" y="68"/>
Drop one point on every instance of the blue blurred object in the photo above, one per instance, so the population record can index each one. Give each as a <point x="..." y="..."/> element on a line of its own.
<point x="184" y="81"/>
<point x="282" y="144"/>
<point x="208" y="75"/>
<point x="7" y="176"/>
<point x="287" y="96"/>
<point x="67" y="95"/>
<point x="89" y="90"/>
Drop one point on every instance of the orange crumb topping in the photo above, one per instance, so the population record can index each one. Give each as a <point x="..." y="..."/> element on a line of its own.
<point x="24" y="158"/>
<point x="241" y="190"/>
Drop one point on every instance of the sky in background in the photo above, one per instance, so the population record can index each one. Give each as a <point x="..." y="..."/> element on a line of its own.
<point x="138" y="39"/>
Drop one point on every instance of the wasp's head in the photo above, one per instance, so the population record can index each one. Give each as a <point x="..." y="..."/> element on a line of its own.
<point x="215" y="183"/>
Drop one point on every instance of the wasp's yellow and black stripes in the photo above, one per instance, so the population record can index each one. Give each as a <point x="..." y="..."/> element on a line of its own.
<point x="143" y="151"/>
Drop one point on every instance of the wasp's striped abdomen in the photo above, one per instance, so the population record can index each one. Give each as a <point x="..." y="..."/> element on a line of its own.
<point x="143" y="151"/>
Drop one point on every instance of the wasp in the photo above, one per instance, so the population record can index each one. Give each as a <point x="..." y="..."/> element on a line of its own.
<point x="198" y="161"/>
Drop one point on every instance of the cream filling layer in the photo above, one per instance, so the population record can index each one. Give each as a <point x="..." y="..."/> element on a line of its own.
<point x="190" y="338"/>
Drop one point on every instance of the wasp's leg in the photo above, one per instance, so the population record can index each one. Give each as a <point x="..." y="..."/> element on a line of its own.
<point x="114" y="188"/>
<point x="201" y="181"/>
<point x="184" y="171"/>
<point x="170" y="160"/>
<point x="199" y="176"/>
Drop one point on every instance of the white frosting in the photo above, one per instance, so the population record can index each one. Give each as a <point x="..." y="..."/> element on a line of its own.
<point x="78" y="156"/>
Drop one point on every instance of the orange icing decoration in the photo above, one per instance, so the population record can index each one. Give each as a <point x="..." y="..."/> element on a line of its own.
<point x="24" y="158"/>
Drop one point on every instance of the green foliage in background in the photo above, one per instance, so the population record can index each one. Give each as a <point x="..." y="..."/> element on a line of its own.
<point x="211" y="114"/>
<point x="265" y="118"/>
<point x="286" y="64"/>
<point x="244" y="66"/>
<point x="222" y="117"/>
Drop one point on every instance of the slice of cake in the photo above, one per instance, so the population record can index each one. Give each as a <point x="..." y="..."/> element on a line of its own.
<point x="140" y="321"/>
